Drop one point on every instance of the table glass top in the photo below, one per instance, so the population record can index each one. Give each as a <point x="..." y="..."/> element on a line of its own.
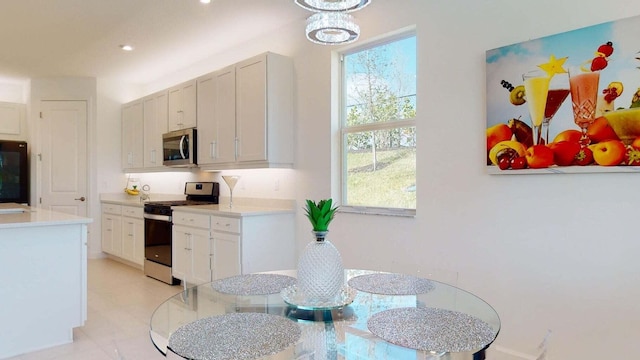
<point x="340" y="333"/>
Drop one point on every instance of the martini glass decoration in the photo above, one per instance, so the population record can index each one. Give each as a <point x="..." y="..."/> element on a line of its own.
<point x="231" y="181"/>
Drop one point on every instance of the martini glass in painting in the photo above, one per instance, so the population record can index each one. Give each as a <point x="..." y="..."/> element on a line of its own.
<point x="558" y="92"/>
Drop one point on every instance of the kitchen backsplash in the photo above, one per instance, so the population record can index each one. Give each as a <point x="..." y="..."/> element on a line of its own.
<point x="254" y="183"/>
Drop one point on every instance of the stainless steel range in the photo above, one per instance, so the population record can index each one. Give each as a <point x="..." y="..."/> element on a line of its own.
<point x="158" y="228"/>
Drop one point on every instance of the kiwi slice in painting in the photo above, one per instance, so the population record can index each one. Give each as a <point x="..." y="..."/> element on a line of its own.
<point x="517" y="95"/>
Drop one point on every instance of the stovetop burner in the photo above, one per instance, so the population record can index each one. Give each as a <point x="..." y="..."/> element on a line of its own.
<point x="197" y="194"/>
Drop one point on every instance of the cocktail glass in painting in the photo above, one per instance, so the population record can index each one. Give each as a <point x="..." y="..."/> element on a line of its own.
<point x="536" y="88"/>
<point x="558" y="92"/>
<point x="584" y="93"/>
<point x="231" y="181"/>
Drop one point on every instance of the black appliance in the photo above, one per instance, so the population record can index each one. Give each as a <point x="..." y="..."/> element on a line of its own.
<point x="158" y="228"/>
<point x="179" y="148"/>
<point x="14" y="172"/>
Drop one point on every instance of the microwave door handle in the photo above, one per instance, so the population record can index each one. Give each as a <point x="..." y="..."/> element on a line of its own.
<point x="182" y="146"/>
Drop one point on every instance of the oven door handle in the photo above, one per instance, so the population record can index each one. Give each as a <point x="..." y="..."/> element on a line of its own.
<point x="166" y="218"/>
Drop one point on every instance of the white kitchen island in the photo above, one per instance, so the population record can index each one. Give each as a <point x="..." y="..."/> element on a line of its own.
<point x="43" y="277"/>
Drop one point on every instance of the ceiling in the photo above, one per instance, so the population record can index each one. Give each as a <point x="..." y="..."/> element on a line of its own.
<point x="51" y="38"/>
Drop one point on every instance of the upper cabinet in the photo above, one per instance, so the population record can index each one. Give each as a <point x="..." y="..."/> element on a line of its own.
<point x="12" y="121"/>
<point x="217" y="117"/>
<point x="155" y="124"/>
<point x="182" y="106"/>
<point x="132" y="135"/>
<point x="243" y="113"/>
<point x="263" y="121"/>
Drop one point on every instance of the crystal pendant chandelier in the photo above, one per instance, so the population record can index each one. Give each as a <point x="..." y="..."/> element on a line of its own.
<point x="333" y="5"/>
<point x="332" y="25"/>
<point x="332" y="28"/>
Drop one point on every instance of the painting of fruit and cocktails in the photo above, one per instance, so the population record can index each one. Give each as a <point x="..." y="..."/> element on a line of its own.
<point x="566" y="103"/>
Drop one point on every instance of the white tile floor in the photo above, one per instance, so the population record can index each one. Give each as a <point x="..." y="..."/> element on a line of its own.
<point x="121" y="300"/>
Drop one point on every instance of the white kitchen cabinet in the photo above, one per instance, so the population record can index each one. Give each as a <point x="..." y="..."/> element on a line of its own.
<point x="182" y="106"/>
<point x="216" y="114"/>
<point x="226" y="255"/>
<point x="191" y="249"/>
<point x="264" y="111"/>
<point x="225" y="245"/>
<point x="240" y="244"/>
<point x="132" y="135"/>
<point x="155" y="116"/>
<point x="12" y="121"/>
<point x="133" y="234"/>
<point x="111" y="229"/>
<point x="247" y="113"/>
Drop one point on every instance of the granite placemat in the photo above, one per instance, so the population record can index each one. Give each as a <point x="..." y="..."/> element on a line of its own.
<point x="391" y="284"/>
<point x="431" y="329"/>
<point x="235" y="336"/>
<point x="253" y="284"/>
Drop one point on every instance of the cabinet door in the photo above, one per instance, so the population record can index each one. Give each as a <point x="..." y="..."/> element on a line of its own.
<point x="180" y="253"/>
<point x="201" y="256"/>
<point x="111" y="234"/>
<point x="251" y="109"/>
<point x="132" y="132"/>
<point x="225" y="255"/>
<point x="11" y="118"/>
<point x="216" y="117"/>
<point x="133" y="240"/>
<point x="155" y="124"/>
<point x="182" y="106"/>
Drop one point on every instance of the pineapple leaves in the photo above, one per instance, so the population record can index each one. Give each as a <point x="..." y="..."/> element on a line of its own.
<point x="320" y="214"/>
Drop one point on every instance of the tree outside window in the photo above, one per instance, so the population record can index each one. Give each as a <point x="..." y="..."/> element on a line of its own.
<point x="378" y="125"/>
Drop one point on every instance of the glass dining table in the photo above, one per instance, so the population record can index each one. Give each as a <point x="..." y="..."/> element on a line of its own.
<point x="383" y="316"/>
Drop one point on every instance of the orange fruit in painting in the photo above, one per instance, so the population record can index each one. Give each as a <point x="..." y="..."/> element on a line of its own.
<point x="636" y="143"/>
<point x="539" y="156"/>
<point x="608" y="153"/>
<point x="496" y="134"/>
<point x="568" y="135"/>
<point x="600" y="130"/>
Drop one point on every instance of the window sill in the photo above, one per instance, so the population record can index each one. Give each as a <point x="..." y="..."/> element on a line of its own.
<point x="369" y="210"/>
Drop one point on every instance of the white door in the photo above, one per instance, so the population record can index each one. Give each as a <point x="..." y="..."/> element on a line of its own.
<point x="63" y="156"/>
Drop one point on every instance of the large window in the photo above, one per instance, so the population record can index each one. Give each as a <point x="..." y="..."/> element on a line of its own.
<point x="379" y="126"/>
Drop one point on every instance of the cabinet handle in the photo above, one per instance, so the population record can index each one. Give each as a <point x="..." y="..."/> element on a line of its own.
<point x="153" y="156"/>
<point x="212" y="151"/>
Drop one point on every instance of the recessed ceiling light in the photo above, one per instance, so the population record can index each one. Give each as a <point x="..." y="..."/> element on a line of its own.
<point x="126" y="47"/>
<point x="205" y="1"/>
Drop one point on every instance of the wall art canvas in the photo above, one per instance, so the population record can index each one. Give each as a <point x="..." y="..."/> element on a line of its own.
<point x="566" y="103"/>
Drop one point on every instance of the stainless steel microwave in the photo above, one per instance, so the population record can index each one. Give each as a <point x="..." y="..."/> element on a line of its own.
<point x="179" y="148"/>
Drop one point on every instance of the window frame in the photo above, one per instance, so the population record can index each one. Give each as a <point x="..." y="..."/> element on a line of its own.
<point x="394" y="124"/>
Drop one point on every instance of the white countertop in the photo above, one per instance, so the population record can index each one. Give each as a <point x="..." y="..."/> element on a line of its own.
<point x="236" y="210"/>
<point x="12" y="217"/>
<point x="241" y="206"/>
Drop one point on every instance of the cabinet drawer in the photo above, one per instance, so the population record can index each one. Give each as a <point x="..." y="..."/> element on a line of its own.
<point x="132" y="211"/>
<point x="190" y="219"/>
<point x="112" y="209"/>
<point x="221" y="223"/>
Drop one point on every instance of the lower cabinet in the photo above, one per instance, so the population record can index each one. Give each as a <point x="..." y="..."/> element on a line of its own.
<point x="123" y="232"/>
<point x="191" y="254"/>
<point x="133" y="240"/>
<point x="225" y="255"/>
<point x="111" y="229"/>
<point x="209" y="247"/>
